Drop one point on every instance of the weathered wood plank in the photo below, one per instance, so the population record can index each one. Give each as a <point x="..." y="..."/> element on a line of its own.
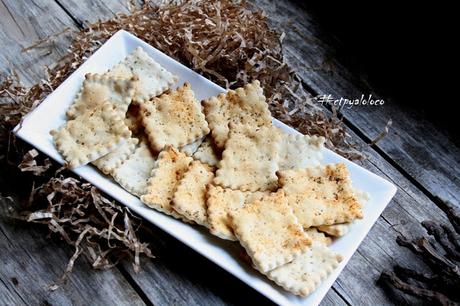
<point x="29" y="263"/>
<point x="417" y="146"/>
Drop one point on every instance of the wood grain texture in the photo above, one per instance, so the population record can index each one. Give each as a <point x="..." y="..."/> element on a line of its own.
<point x="421" y="150"/>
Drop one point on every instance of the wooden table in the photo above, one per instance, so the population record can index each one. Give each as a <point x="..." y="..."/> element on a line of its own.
<point x="421" y="165"/>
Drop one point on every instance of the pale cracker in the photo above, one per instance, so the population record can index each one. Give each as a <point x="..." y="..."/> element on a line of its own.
<point x="249" y="161"/>
<point x="300" y="151"/>
<point x="269" y="232"/>
<point x="306" y="272"/>
<point x="220" y="202"/>
<point x="90" y="136"/>
<point x="245" y="105"/>
<point x="99" y="89"/>
<point x="190" y="197"/>
<point x="174" y="118"/>
<point x="318" y="236"/>
<point x="135" y="171"/>
<point x="206" y="153"/>
<point x="168" y="171"/>
<point x="114" y="159"/>
<point x="321" y="195"/>
<point x="153" y="79"/>
<point x="191" y="148"/>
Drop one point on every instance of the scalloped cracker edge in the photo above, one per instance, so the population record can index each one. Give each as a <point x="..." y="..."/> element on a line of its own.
<point x="90" y="136"/>
<point x="99" y="89"/>
<point x="153" y="78"/>
<point x="250" y="159"/>
<point x="269" y="232"/>
<point x="175" y="118"/>
<point x="245" y="105"/>
<point x="190" y="197"/>
<point x="321" y="195"/>
<point x="168" y="171"/>
<point x="114" y="159"/>
<point x="191" y="148"/>
<point x="206" y="153"/>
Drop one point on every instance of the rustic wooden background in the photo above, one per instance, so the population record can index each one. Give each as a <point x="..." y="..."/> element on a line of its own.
<point x="416" y="156"/>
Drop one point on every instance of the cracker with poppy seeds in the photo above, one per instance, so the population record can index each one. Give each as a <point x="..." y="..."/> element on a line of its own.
<point x="269" y="232"/>
<point x="190" y="197"/>
<point x="306" y="272"/>
<point x="206" y="152"/>
<point x="250" y="159"/>
<point x="174" y="119"/>
<point x="99" y="89"/>
<point x="153" y="78"/>
<point x="91" y="135"/>
<point x="321" y="195"/>
<point x="135" y="171"/>
<point x="245" y="105"/>
<point x="114" y="159"/>
<point x="169" y="169"/>
<point x="220" y="202"/>
<point x="300" y="151"/>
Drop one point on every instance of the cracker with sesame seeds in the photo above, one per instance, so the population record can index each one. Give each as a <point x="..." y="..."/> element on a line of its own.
<point x="250" y="159"/>
<point x="269" y="232"/>
<point x="90" y="136"/>
<point x="206" y="152"/>
<point x="153" y="78"/>
<point x="169" y="169"/>
<point x="174" y="119"/>
<point x="190" y="197"/>
<point x="99" y="89"/>
<point x="300" y="151"/>
<point x="245" y="105"/>
<point x="305" y="273"/>
<point x="135" y="171"/>
<point x="220" y="202"/>
<point x="114" y="159"/>
<point x="321" y="195"/>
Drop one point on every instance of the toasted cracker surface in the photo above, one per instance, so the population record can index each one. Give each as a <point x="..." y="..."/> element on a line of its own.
<point x="300" y="151"/>
<point x="250" y="159"/>
<point x="318" y="236"/>
<point x="99" y="89"/>
<point x="245" y="105"/>
<point x="135" y="171"/>
<point x="153" y="78"/>
<point x="168" y="171"/>
<point x="322" y="195"/>
<point x="336" y="230"/>
<point x="114" y="159"/>
<point x="220" y="202"/>
<point x="190" y="197"/>
<point x="269" y="232"/>
<point x="206" y="153"/>
<point x="306" y="272"/>
<point x="90" y="136"/>
<point x="174" y="118"/>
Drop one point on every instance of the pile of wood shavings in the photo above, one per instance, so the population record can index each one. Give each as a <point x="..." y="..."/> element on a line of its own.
<point x="229" y="42"/>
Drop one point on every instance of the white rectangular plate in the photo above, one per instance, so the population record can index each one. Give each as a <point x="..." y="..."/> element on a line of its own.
<point x="51" y="114"/>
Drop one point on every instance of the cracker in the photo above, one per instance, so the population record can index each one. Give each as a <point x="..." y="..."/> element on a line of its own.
<point x="133" y="119"/>
<point x="114" y="159"/>
<point x="269" y="232"/>
<point x="135" y="171"/>
<point x="245" y="105"/>
<point x="190" y="197"/>
<point x="153" y="79"/>
<point x="300" y="151"/>
<point x="249" y="161"/>
<point x="318" y="236"/>
<point x="336" y="230"/>
<point x="168" y="171"/>
<point x="220" y="202"/>
<point x="321" y="195"/>
<point x="174" y="118"/>
<point x="99" y="89"/>
<point x="191" y="148"/>
<point x="306" y="272"/>
<point x="90" y="136"/>
<point x="206" y="153"/>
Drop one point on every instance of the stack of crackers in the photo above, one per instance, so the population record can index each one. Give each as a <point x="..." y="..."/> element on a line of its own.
<point x="219" y="163"/>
